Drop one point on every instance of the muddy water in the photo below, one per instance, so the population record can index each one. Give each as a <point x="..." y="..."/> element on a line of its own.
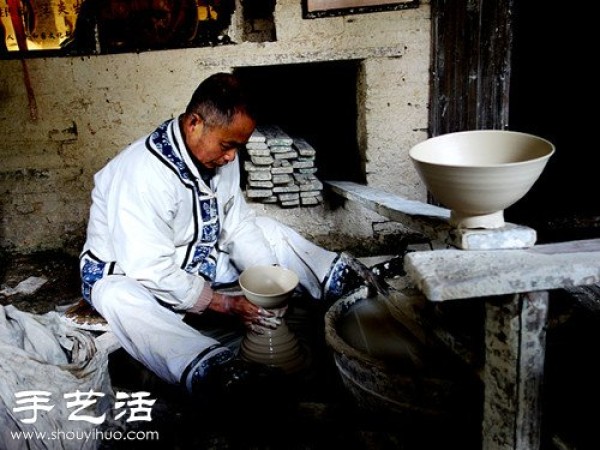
<point x="369" y="327"/>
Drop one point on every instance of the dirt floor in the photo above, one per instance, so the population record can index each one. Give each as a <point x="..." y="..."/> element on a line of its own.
<point x="60" y="269"/>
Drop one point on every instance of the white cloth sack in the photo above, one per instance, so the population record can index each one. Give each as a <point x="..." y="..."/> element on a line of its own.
<point x="43" y="353"/>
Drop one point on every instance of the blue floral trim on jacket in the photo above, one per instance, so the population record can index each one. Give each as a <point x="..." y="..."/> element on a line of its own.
<point x="160" y="139"/>
<point x="203" y="257"/>
<point x="92" y="271"/>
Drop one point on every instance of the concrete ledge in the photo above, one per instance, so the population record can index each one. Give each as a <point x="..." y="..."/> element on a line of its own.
<point x="432" y="221"/>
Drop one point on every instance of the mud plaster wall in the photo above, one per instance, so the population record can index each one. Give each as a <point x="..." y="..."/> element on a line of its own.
<point x="88" y="108"/>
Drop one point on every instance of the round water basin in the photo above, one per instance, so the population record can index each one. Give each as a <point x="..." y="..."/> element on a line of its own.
<point x="384" y="366"/>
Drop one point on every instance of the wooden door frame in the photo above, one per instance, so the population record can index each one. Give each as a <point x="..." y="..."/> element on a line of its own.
<point x="471" y="65"/>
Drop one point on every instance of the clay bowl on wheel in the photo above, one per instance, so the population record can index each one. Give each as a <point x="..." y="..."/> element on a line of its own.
<point x="478" y="174"/>
<point x="268" y="286"/>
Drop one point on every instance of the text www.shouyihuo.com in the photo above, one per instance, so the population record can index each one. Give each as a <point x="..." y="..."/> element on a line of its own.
<point x="107" y="435"/>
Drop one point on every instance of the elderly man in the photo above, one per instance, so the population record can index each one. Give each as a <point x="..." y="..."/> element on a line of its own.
<point x="168" y="223"/>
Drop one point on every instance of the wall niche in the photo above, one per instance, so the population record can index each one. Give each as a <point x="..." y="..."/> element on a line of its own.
<point x="316" y="102"/>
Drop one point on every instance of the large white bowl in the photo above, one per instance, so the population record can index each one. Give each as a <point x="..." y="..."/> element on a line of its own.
<point x="268" y="286"/>
<point x="478" y="174"/>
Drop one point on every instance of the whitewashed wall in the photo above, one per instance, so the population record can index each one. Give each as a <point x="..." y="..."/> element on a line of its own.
<point x="88" y="108"/>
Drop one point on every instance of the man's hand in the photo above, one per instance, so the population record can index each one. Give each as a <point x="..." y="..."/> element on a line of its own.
<point x="254" y="317"/>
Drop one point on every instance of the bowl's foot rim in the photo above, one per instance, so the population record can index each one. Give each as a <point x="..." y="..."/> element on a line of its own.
<point x="462" y="220"/>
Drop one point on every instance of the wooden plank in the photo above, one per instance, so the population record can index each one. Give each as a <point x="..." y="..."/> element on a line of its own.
<point x="454" y="274"/>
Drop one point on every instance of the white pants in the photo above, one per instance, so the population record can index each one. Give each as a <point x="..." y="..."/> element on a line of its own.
<point x="160" y="339"/>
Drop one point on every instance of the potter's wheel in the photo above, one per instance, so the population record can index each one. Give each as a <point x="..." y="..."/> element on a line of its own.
<point x="271" y="287"/>
<point x="278" y="348"/>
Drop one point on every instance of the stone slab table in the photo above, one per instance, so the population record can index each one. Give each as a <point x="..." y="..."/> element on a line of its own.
<point x="514" y="284"/>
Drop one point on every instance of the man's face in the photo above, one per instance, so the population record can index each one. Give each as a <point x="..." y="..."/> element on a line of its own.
<point x="215" y="146"/>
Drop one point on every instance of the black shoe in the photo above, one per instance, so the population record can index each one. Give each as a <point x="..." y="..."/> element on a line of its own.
<point x="348" y="274"/>
<point x="238" y="385"/>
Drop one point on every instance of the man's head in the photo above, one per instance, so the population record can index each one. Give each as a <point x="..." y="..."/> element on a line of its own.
<point x="217" y="121"/>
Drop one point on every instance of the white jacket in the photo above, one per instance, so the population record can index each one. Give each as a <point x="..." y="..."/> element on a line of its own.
<point x="155" y="220"/>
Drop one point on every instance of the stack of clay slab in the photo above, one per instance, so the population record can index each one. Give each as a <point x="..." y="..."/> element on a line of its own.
<point x="281" y="169"/>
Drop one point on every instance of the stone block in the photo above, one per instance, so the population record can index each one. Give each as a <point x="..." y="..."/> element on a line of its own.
<point x="288" y="197"/>
<point x="307" y="170"/>
<point x="286" y="189"/>
<point x="254" y="168"/>
<point x="275" y="135"/>
<point x="281" y="148"/>
<point x="262" y="175"/>
<point x="282" y="170"/>
<point x="302" y="164"/>
<point x="287" y="155"/>
<point x="310" y="201"/>
<point x="259" y="152"/>
<point x="314" y="185"/>
<point x="290" y="203"/>
<point x="260" y="184"/>
<point x="257" y="146"/>
<point x="258" y="193"/>
<point x="307" y="194"/>
<point x="257" y="136"/>
<point x="262" y="160"/>
<point x="303" y="147"/>
<point x="282" y="178"/>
